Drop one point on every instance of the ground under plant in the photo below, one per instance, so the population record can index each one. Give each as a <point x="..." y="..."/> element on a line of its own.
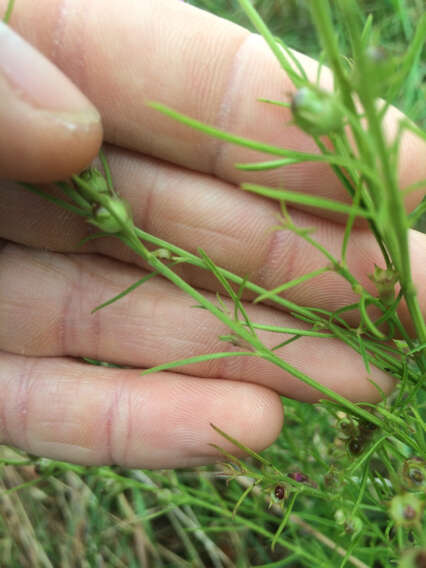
<point x="345" y="483"/>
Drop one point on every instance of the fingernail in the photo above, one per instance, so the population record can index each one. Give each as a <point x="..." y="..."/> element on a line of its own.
<point x="34" y="79"/>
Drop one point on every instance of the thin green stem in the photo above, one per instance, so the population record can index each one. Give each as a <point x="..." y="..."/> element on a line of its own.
<point x="8" y="12"/>
<point x="396" y="233"/>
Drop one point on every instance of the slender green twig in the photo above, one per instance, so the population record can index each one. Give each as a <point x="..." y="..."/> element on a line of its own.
<point x="9" y="10"/>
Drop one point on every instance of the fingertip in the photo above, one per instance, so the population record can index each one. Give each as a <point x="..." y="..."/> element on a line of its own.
<point x="52" y="130"/>
<point x="256" y="423"/>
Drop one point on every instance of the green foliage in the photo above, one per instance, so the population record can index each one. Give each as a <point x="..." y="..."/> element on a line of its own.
<point x="344" y="483"/>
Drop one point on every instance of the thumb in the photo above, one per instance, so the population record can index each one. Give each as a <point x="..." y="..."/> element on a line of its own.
<point x="48" y="128"/>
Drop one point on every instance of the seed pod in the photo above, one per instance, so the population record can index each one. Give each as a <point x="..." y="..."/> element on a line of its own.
<point x="316" y="112"/>
<point x="106" y="221"/>
<point x="353" y="525"/>
<point x="332" y="478"/>
<point x="385" y="281"/>
<point x="414" y="558"/>
<point x="340" y="517"/>
<point x="356" y="446"/>
<point x="347" y="427"/>
<point x="406" y="510"/>
<point x="414" y="473"/>
<point x="279" y="492"/>
<point x="367" y="428"/>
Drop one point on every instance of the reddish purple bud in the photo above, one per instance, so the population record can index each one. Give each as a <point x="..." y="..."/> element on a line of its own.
<point x="298" y="476"/>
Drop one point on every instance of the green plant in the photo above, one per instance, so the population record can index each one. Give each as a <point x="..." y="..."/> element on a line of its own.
<point x="362" y="473"/>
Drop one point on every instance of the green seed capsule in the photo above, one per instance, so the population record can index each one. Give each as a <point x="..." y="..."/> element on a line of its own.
<point x="406" y="510"/>
<point x="106" y="221"/>
<point x="414" y="473"/>
<point x="413" y="558"/>
<point x="385" y="280"/>
<point x="316" y="112"/>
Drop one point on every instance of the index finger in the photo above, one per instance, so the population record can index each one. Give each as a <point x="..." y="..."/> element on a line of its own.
<point x="124" y="55"/>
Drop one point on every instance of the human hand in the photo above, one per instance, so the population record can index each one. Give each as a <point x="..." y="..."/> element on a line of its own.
<point x="182" y="187"/>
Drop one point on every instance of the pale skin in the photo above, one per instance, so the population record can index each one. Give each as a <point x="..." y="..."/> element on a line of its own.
<point x="182" y="187"/>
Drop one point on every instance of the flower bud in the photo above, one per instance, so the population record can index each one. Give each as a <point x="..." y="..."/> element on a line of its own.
<point x="340" y="517"/>
<point x="316" y="112"/>
<point x="95" y="179"/>
<point x="381" y="66"/>
<point x="347" y="427"/>
<point x="109" y="223"/>
<point x="298" y="476"/>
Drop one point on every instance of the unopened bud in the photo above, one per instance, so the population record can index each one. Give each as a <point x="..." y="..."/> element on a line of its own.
<point x="95" y="179"/>
<point x="110" y="222"/>
<point x="298" y="476"/>
<point x="316" y="112"/>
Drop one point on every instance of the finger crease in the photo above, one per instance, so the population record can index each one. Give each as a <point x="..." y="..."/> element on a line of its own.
<point x="225" y="108"/>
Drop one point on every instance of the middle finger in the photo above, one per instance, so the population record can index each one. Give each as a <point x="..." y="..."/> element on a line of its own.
<point x="195" y="210"/>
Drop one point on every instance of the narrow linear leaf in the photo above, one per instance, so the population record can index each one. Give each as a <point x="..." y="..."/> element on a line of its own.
<point x="125" y="292"/>
<point x="366" y="32"/>
<point x="271" y="165"/>
<point x="92" y="237"/>
<point x="328" y="158"/>
<point x="260" y="26"/>
<point x="284" y="343"/>
<point x="363" y="354"/>
<point x="241" y="499"/>
<point x="366" y="456"/>
<point x="56" y="200"/>
<point x="218" y="275"/>
<point x="294" y="59"/>
<point x="107" y="171"/>
<point x="291" y="330"/>
<point x="417" y="349"/>
<point x="242" y="447"/>
<point x="235" y="298"/>
<point x="416" y="214"/>
<point x="284" y="521"/>
<point x="71" y="193"/>
<point x="275" y="103"/>
<point x="305" y="199"/>
<point x="291" y="284"/>
<point x="420" y="184"/>
<point x="407" y="64"/>
<point x="366" y="319"/>
<point x="196" y="359"/>
<point x="196" y="261"/>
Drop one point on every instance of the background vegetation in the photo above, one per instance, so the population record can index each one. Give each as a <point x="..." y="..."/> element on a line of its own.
<point x="323" y="478"/>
